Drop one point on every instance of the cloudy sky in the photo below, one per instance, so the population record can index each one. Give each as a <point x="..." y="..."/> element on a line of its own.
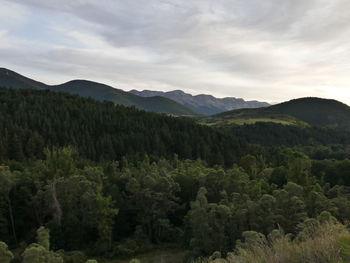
<point x="270" y="50"/>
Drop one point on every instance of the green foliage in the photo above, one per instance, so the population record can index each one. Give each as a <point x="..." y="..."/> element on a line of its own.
<point x="138" y="201"/>
<point x="314" y="111"/>
<point x="252" y="238"/>
<point x="127" y="209"/>
<point x="249" y="163"/>
<point x="40" y="253"/>
<point x="321" y="246"/>
<point x="329" y="243"/>
<point x="216" y="255"/>
<point x="319" y="142"/>
<point x="75" y="195"/>
<point x="43" y="237"/>
<point x="7" y="183"/>
<point x="35" y="254"/>
<point x="102" y="130"/>
<point x="5" y="254"/>
<point x="209" y="223"/>
<point x="344" y="244"/>
<point x="74" y="257"/>
<point x="215" y="121"/>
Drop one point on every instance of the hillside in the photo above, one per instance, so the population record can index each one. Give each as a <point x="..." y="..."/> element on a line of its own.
<point x="205" y="104"/>
<point x="12" y="79"/>
<point x="33" y="119"/>
<point x="313" y="111"/>
<point x="131" y="182"/>
<point x="104" y="92"/>
<point x="99" y="92"/>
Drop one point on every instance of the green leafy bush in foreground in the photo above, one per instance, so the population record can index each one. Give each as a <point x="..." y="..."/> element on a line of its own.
<point x="40" y="252"/>
<point x="317" y="242"/>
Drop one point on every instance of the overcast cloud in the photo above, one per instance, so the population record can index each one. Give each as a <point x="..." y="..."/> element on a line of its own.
<point x="271" y="50"/>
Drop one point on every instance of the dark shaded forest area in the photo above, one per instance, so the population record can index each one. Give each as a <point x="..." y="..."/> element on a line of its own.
<point x="113" y="181"/>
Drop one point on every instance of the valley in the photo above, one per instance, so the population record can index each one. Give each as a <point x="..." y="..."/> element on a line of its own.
<point x="159" y="187"/>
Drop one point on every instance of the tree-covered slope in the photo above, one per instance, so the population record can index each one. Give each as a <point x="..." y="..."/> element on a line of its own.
<point x="104" y="92"/>
<point x="120" y="207"/>
<point x="314" y="111"/>
<point x="12" y="79"/>
<point x="99" y="92"/>
<point x="33" y="119"/>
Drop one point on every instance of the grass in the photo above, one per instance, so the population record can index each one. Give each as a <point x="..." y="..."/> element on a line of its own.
<point x="247" y="121"/>
<point x="251" y="121"/>
<point x="327" y="243"/>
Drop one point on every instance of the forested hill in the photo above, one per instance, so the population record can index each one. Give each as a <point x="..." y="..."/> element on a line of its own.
<point x="34" y="119"/>
<point x="99" y="92"/>
<point x="103" y="92"/>
<point x="11" y="79"/>
<point x="314" y="111"/>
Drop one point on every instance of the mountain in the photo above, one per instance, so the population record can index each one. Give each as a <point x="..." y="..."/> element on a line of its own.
<point x="103" y="92"/>
<point x="313" y="111"/>
<point x="205" y="104"/>
<point x="12" y="79"/>
<point x="99" y="92"/>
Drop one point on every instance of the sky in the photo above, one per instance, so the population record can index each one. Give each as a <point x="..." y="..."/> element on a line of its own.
<point x="268" y="50"/>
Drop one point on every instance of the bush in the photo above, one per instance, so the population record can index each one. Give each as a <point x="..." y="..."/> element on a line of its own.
<point x="5" y="254"/>
<point x="327" y="242"/>
<point x="74" y="257"/>
<point x="131" y="247"/>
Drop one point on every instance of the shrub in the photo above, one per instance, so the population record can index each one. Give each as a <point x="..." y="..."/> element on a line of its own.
<point x="5" y="254"/>
<point x="326" y="242"/>
<point x="74" y="257"/>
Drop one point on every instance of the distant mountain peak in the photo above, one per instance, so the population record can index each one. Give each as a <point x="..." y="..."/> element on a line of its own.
<point x="4" y="71"/>
<point x="203" y="103"/>
<point x="178" y="91"/>
<point x="97" y="91"/>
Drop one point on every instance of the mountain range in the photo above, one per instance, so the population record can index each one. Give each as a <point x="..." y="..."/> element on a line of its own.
<point x="225" y="111"/>
<point x="99" y="92"/>
<point x="204" y="104"/>
<point x="176" y="102"/>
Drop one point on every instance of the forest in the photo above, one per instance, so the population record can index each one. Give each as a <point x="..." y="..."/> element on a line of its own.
<point x="82" y="180"/>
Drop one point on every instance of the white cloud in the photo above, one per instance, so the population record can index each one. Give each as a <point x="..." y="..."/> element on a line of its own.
<point x="11" y="14"/>
<point x="270" y="50"/>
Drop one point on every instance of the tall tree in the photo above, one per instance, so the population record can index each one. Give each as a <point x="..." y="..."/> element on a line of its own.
<point x="7" y="182"/>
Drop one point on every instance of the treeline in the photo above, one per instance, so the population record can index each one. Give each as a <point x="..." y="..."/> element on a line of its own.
<point x="272" y="134"/>
<point x="32" y="120"/>
<point x="121" y="209"/>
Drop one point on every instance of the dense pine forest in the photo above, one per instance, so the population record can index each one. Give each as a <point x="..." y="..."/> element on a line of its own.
<point x="84" y="179"/>
<point x="33" y="120"/>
